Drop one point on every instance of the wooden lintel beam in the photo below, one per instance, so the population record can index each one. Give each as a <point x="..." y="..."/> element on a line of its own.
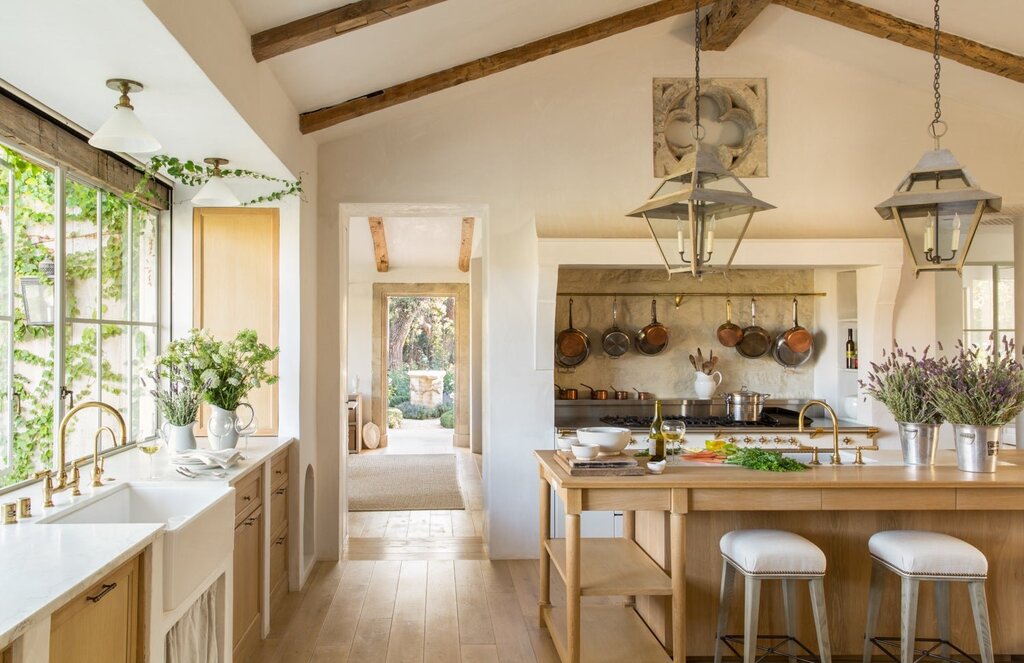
<point x="325" y="117"/>
<point x="726" y="20"/>
<point x="380" y="243"/>
<point x="331" y="23"/>
<point x="880" y="24"/>
<point x="466" y="243"/>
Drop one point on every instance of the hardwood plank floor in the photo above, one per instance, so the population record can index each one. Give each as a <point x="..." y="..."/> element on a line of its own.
<point x="440" y="611"/>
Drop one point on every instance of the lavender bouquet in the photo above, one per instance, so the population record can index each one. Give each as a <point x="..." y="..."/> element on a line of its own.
<point x="179" y="400"/>
<point x="978" y="388"/>
<point x="901" y="382"/>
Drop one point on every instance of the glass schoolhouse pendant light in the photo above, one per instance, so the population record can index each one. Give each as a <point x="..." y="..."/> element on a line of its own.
<point x="123" y="131"/>
<point x="937" y="198"/>
<point x="699" y="198"/>
<point x="215" y="192"/>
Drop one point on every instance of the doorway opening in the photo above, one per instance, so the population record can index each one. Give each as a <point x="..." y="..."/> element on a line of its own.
<point x="421" y="373"/>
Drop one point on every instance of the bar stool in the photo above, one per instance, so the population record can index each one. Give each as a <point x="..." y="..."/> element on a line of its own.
<point x="915" y="556"/>
<point x="765" y="554"/>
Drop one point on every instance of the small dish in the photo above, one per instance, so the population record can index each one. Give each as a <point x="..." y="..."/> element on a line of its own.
<point x="656" y="467"/>
<point x="585" y="451"/>
<point x="564" y="442"/>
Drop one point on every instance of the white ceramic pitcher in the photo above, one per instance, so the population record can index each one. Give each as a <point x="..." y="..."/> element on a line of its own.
<point x="224" y="426"/>
<point x="178" y="438"/>
<point x="705" y="385"/>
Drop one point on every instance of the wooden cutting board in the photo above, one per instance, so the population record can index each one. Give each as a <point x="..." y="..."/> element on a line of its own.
<point x="607" y="466"/>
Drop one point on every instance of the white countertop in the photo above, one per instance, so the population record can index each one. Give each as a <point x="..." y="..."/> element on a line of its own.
<point x="45" y="565"/>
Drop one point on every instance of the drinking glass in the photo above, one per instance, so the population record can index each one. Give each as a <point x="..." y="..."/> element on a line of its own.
<point x="150" y="446"/>
<point x="672" y="431"/>
<point x="246" y="431"/>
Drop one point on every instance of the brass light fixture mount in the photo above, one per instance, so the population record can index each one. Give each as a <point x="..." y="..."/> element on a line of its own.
<point x="216" y="162"/>
<point x="698" y="195"/>
<point x="125" y="86"/>
<point x="937" y="195"/>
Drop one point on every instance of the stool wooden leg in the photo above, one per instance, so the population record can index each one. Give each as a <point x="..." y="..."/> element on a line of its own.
<point x="874" y="603"/>
<point x="821" y="619"/>
<point x="979" y="605"/>
<point x="908" y="619"/>
<point x="789" y="607"/>
<point x="751" y="607"/>
<point x="942" y="615"/>
<point x="724" y="603"/>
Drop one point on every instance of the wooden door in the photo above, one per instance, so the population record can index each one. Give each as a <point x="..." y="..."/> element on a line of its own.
<point x="101" y="624"/>
<point x="247" y="573"/>
<point x="235" y="286"/>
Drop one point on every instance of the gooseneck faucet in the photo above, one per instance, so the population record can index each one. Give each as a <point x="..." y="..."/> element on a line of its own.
<point x="836" y="460"/>
<point x="62" y="473"/>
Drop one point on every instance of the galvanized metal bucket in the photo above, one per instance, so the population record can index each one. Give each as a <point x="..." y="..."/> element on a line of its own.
<point x="919" y="442"/>
<point x="977" y="447"/>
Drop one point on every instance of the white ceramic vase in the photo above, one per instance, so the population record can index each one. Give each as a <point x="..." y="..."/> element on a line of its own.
<point x="179" y="438"/>
<point x="224" y="426"/>
<point x="705" y="385"/>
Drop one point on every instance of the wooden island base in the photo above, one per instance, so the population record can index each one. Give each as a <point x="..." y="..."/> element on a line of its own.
<point x="836" y="508"/>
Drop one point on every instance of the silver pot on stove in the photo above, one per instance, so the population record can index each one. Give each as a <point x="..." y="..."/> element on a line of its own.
<point x="745" y="405"/>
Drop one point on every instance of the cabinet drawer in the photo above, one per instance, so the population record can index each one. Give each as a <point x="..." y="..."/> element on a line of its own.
<point x="279" y="469"/>
<point x="279" y="561"/>
<point x="248" y="492"/>
<point x="248" y="564"/>
<point x="278" y="507"/>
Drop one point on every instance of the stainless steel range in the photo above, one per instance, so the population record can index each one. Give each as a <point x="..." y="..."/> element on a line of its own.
<point x="777" y="428"/>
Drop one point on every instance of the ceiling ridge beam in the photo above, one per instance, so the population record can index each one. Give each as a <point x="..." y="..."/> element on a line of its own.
<point x="726" y="20"/>
<point x="470" y="71"/>
<point x="329" y="24"/>
<point x="887" y="26"/>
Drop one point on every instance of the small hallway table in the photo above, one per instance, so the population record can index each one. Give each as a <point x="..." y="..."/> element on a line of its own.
<point x="667" y="564"/>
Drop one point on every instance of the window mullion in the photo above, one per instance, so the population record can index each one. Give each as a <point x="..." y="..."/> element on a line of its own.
<point x="130" y="377"/>
<point x="59" y="306"/>
<point x="9" y="359"/>
<point x="99" y="301"/>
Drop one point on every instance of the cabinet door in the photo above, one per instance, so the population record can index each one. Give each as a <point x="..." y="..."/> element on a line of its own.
<point x="101" y="624"/>
<point x="235" y="286"/>
<point x="246" y="607"/>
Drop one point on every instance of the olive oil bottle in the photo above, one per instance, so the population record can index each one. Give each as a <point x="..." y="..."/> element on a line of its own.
<point x="656" y="439"/>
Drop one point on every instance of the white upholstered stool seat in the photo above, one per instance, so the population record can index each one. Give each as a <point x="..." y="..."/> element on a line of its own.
<point x="770" y="552"/>
<point x="760" y="555"/>
<point x="914" y="553"/>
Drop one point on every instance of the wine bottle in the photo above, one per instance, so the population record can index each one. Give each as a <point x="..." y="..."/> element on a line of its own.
<point x="656" y="438"/>
<point x="851" y="350"/>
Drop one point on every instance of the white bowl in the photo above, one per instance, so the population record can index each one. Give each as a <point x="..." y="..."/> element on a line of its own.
<point x="611" y="439"/>
<point x="656" y="467"/>
<point x="566" y="441"/>
<point x="585" y="451"/>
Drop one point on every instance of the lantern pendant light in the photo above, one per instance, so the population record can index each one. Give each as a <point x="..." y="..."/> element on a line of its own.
<point x="699" y="197"/>
<point x="215" y="193"/>
<point x="123" y="131"/>
<point x="937" y="197"/>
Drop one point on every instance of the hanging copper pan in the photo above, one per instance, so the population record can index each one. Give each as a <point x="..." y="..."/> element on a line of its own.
<point x="572" y="346"/>
<point x="729" y="333"/>
<point x="653" y="338"/>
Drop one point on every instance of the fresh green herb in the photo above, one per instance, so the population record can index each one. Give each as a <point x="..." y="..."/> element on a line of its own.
<point x="643" y="453"/>
<point x="767" y="461"/>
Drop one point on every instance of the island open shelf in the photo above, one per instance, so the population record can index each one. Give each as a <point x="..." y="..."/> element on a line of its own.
<point x="613" y="567"/>
<point x="609" y="634"/>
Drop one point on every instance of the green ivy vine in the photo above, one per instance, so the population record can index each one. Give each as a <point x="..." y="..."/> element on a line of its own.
<point x="190" y="173"/>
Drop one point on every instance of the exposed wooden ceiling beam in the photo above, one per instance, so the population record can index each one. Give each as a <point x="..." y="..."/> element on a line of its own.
<point x="380" y="243"/>
<point x="331" y="23"/>
<point x="726" y="20"/>
<point x="880" y="24"/>
<point x="492" y="64"/>
<point x="466" y="243"/>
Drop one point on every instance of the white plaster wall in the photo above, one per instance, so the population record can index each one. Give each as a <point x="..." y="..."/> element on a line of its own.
<point x="563" y="146"/>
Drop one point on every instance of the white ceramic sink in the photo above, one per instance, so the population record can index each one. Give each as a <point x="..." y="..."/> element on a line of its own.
<point x="198" y="526"/>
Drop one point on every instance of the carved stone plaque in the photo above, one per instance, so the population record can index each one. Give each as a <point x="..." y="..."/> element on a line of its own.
<point x="733" y="113"/>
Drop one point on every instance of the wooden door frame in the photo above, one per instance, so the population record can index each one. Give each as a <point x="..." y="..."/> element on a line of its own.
<point x="378" y="406"/>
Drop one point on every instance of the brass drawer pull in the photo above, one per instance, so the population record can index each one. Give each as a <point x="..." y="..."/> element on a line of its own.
<point x="106" y="590"/>
<point x="247" y="498"/>
<point x="278" y="471"/>
<point x="280" y="491"/>
<point x="249" y="521"/>
<point x="280" y="541"/>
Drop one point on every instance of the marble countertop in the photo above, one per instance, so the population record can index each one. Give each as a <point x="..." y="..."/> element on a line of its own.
<point x="45" y="565"/>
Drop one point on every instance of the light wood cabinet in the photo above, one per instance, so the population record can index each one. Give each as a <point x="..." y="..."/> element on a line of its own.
<point x="247" y="573"/>
<point x="101" y="625"/>
<point x="235" y="253"/>
<point x="279" y="496"/>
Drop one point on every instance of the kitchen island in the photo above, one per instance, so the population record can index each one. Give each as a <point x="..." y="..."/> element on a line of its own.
<point x="668" y="566"/>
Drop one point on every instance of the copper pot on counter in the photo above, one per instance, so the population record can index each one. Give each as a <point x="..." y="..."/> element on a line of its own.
<point x="620" y="395"/>
<point x="643" y="395"/>
<point x="597" y="394"/>
<point x="569" y="394"/>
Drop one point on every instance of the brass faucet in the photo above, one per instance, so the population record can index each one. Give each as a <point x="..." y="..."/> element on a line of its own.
<point x="836" y="460"/>
<point x="63" y="483"/>
<point x="97" y="462"/>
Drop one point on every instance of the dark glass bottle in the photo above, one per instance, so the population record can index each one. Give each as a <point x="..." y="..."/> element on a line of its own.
<point x="851" y="350"/>
<point x="657" y="435"/>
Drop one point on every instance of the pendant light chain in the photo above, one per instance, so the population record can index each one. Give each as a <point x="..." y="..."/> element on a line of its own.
<point x="698" y="130"/>
<point x="937" y="128"/>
